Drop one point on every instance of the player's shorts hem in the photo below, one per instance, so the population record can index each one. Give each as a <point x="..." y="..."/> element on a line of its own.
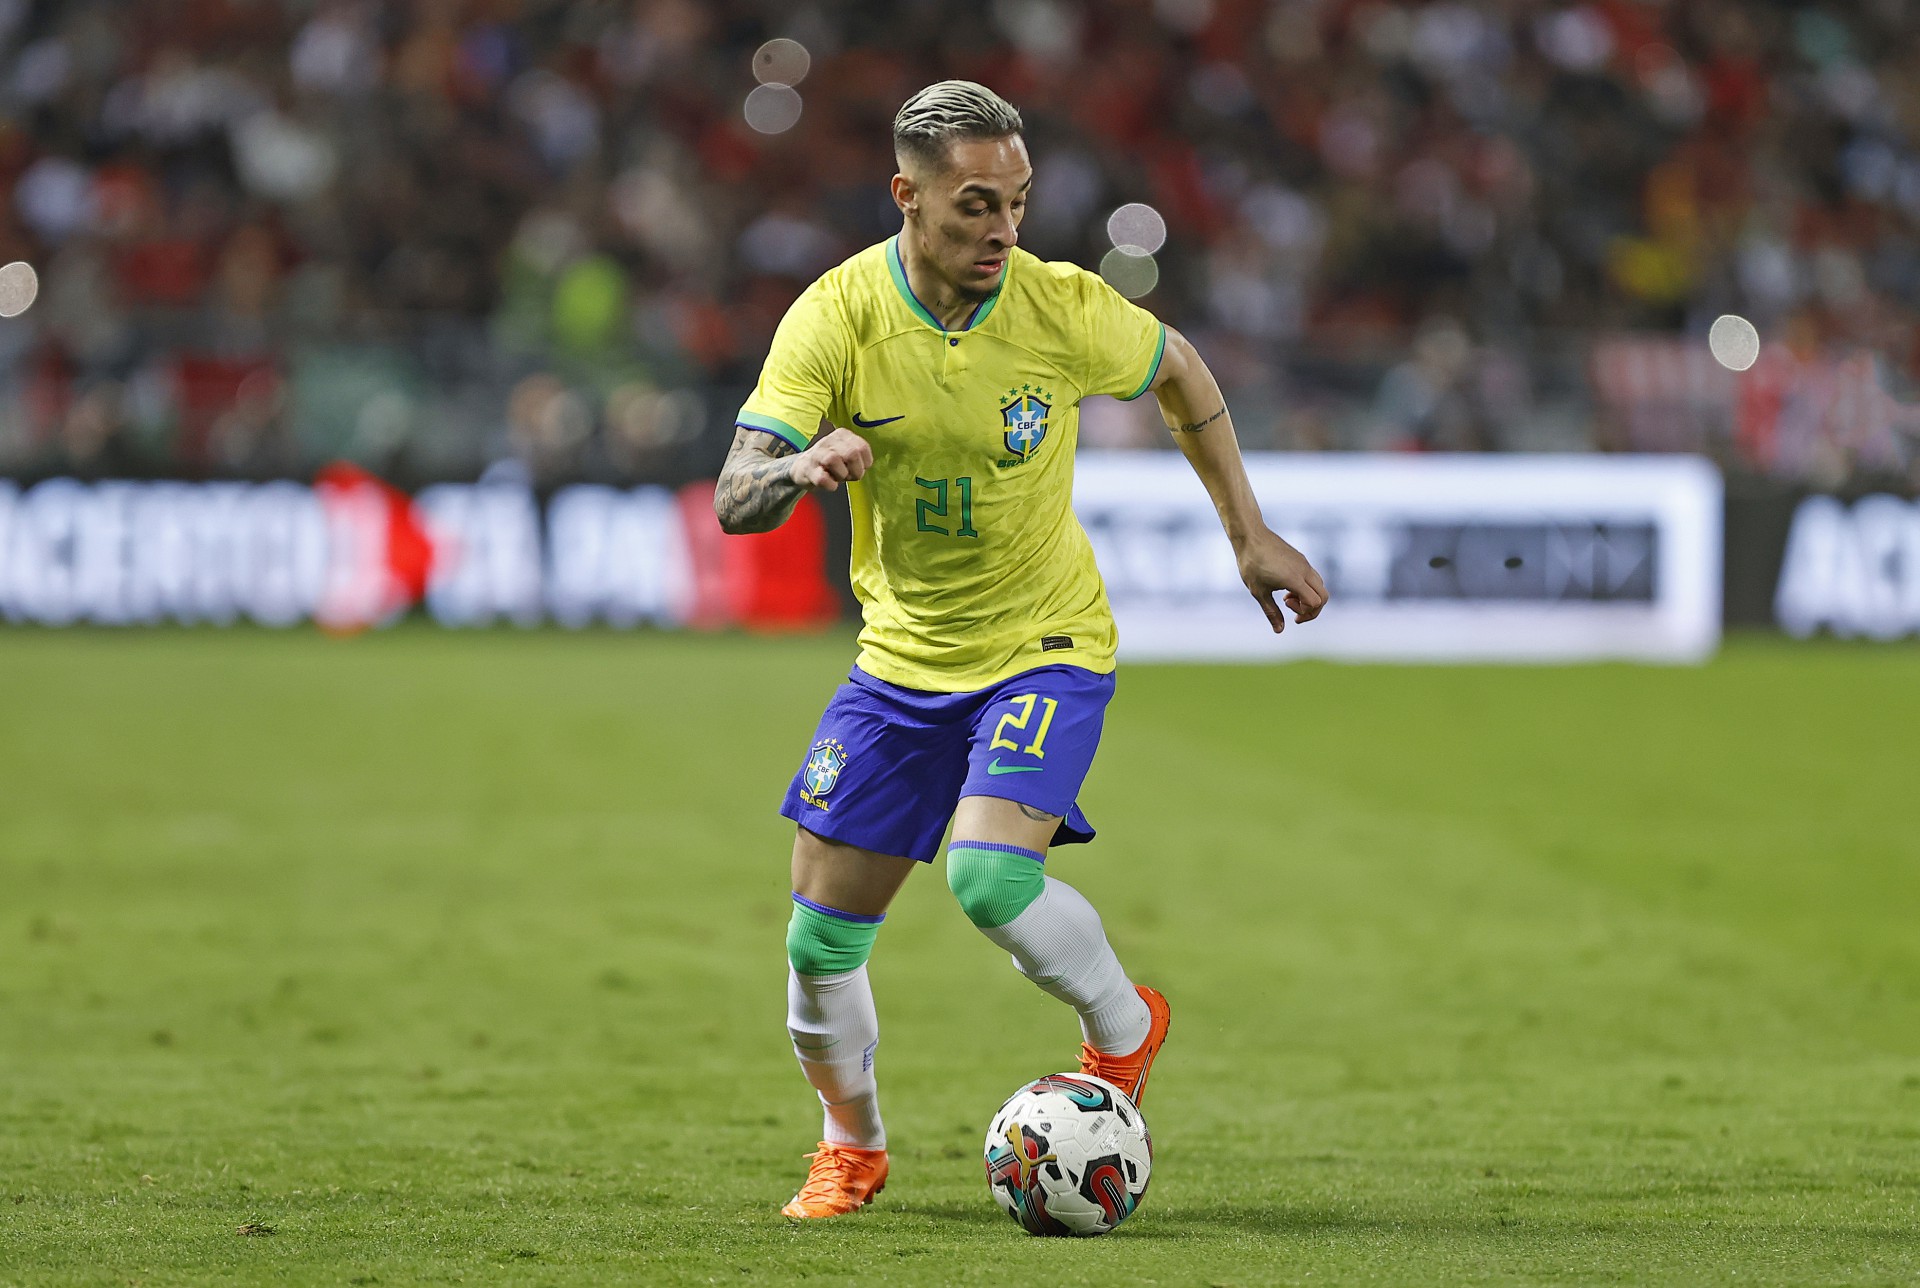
<point x="1075" y="827"/>
<point x="857" y="836"/>
<point x="772" y="425"/>
<point x="1019" y="792"/>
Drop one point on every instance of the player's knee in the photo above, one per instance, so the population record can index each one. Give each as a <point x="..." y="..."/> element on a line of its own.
<point x="826" y="941"/>
<point x="994" y="885"/>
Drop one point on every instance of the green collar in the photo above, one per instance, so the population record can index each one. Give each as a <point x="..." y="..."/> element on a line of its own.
<point x="898" y="270"/>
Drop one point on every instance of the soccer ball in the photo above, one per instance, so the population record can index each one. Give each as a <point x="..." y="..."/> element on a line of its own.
<point x="1069" y="1154"/>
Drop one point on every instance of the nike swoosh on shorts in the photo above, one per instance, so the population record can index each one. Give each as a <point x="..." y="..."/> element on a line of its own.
<point x="875" y="424"/>
<point x="997" y="768"/>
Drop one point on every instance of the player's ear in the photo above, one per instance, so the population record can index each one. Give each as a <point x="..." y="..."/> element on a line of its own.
<point x="905" y="195"/>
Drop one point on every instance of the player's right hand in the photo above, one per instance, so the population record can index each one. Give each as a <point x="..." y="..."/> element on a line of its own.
<point x="833" y="459"/>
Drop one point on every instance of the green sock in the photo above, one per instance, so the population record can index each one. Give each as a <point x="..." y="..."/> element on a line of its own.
<point x="994" y="883"/>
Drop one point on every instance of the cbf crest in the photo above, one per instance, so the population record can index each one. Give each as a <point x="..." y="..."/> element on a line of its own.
<point x="1024" y="414"/>
<point x="824" y="763"/>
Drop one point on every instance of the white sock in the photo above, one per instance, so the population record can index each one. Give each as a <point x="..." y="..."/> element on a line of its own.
<point x="835" y="1030"/>
<point x="1059" y="944"/>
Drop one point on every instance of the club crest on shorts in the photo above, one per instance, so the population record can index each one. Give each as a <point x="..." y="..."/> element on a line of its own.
<point x="1024" y="415"/>
<point x="824" y="763"/>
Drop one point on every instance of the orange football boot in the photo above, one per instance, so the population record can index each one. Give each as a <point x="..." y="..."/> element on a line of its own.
<point x="1129" y="1072"/>
<point x="842" y="1180"/>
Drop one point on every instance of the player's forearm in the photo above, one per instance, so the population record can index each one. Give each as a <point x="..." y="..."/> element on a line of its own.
<point x="1193" y="408"/>
<point x="756" y="491"/>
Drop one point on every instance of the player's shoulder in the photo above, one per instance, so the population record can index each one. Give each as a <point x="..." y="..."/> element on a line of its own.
<point x="1057" y="310"/>
<point x="854" y="291"/>
<point x="857" y="283"/>
<point x="1049" y="279"/>
<point x="864" y="270"/>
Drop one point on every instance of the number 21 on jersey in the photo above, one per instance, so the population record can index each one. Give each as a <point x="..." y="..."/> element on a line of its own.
<point x="928" y="508"/>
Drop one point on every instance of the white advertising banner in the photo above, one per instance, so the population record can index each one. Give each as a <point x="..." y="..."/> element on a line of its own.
<point x="1427" y="558"/>
<point x="1853" y="569"/>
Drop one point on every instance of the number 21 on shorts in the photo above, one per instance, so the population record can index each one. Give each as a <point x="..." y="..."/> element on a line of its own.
<point x="1018" y="722"/>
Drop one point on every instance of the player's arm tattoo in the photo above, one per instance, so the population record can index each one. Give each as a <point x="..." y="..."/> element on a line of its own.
<point x="756" y="491"/>
<point x="1038" y="815"/>
<point x="1195" y="426"/>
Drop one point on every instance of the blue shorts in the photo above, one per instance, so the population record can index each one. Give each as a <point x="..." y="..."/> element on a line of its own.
<point x="888" y="764"/>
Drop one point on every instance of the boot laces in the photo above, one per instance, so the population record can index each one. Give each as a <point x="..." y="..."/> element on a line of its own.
<point x="831" y="1173"/>
<point x="1101" y="1065"/>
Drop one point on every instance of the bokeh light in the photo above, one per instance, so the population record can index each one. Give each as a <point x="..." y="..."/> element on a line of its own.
<point x="781" y="62"/>
<point x="19" y="287"/>
<point x="773" y="109"/>
<point x="1130" y="271"/>
<point x="1734" y="342"/>
<point x="1138" y="225"/>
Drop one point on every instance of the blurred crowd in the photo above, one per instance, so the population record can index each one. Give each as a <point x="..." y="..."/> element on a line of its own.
<point x="442" y="235"/>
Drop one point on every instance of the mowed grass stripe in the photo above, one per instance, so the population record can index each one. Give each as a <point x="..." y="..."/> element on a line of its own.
<point x="458" y="958"/>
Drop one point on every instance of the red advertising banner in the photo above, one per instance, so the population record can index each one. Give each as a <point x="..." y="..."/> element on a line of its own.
<point x="352" y="551"/>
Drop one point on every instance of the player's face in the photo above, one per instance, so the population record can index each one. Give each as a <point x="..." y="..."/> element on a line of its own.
<point x="970" y="211"/>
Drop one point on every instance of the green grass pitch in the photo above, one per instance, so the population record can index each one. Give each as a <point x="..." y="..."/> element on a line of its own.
<point x="458" y="959"/>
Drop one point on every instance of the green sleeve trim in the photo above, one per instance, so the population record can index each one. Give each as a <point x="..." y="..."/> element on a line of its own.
<point x="778" y="428"/>
<point x="1159" y="352"/>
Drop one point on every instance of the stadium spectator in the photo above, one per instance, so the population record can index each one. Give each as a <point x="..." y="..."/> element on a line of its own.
<point x="1400" y="224"/>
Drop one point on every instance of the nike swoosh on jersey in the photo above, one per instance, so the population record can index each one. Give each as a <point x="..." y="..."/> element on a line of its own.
<point x="997" y="768"/>
<point x="875" y="424"/>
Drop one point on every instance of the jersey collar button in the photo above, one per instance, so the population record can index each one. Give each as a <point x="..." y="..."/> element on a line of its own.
<point x="953" y="339"/>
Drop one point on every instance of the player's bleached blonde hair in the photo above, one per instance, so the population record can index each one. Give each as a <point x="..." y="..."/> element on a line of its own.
<point x="946" y="111"/>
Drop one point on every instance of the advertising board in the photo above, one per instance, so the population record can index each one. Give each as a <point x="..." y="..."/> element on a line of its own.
<point x="1428" y="558"/>
<point x="351" y="552"/>
<point x="1851" y="568"/>
<point x="1442" y="558"/>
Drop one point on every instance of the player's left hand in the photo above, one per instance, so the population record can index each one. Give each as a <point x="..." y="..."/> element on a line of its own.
<point x="1268" y="565"/>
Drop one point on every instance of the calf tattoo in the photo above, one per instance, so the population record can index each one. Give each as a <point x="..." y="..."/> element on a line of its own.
<point x="1038" y="815"/>
<point x="1195" y="426"/>
<point x="756" y="491"/>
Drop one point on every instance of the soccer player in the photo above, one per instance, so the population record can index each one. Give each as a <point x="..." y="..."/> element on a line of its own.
<point x="946" y="367"/>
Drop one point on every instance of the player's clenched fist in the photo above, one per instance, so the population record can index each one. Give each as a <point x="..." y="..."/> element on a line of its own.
<point x="832" y="460"/>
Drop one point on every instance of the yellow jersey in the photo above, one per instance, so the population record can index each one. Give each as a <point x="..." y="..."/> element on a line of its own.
<point x="967" y="559"/>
